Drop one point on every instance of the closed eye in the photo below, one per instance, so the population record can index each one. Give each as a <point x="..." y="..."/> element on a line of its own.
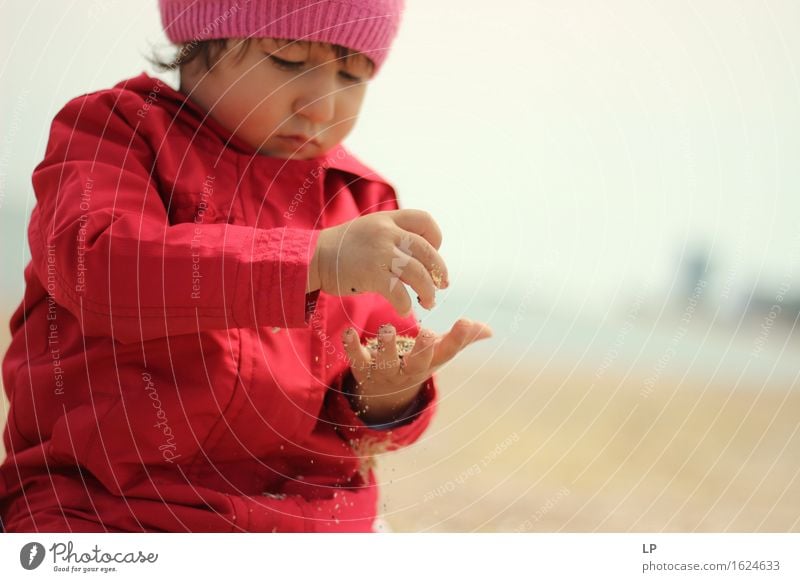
<point x="350" y="77"/>
<point x="285" y="65"/>
<point x="288" y="65"/>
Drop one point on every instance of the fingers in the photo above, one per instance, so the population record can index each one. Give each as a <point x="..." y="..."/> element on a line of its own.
<point x="414" y="274"/>
<point x="429" y="257"/>
<point x="358" y="355"/>
<point x="386" y="357"/>
<point x="397" y="295"/>
<point x="411" y="272"/>
<point x="463" y="333"/>
<point x="419" y="265"/>
<point x="418" y="360"/>
<point x="421" y="223"/>
<point x="427" y="354"/>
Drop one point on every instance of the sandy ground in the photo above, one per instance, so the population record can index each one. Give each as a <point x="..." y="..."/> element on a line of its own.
<point x="517" y="446"/>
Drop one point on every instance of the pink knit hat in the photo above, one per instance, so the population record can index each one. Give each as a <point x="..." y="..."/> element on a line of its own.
<point x="367" y="26"/>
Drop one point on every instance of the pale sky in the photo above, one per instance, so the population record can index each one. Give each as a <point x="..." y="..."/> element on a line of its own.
<point x="580" y="147"/>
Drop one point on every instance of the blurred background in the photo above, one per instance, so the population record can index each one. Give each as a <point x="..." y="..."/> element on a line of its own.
<point x="619" y="190"/>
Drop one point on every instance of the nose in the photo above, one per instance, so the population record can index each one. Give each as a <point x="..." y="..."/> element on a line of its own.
<point x="316" y="102"/>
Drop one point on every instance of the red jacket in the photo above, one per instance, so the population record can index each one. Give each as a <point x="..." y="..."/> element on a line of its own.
<point x="167" y="371"/>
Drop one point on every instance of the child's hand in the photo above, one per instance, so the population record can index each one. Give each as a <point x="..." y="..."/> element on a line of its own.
<point x="387" y="382"/>
<point x="378" y="252"/>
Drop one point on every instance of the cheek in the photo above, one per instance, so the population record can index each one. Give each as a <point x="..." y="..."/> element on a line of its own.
<point x="249" y="83"/>
<point x="261" y="124"/>
<point x="344" y="126"/>
<point x="257" y="111"/>
<point x="348" y="109"/>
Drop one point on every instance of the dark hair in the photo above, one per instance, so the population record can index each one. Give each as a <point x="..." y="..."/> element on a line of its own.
<point x="209" y="51"/>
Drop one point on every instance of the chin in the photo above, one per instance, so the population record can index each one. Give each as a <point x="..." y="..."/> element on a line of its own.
<point x="295" y="155"/>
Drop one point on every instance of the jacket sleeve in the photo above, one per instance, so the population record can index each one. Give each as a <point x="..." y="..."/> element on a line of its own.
<point x="103" y="248"/>
<point x="390" y="437"/>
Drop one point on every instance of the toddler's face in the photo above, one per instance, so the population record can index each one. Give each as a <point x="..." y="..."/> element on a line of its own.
<point x="272" y="90"/>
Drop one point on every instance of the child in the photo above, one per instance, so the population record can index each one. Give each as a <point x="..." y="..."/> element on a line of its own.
<point x="206" y="263"/>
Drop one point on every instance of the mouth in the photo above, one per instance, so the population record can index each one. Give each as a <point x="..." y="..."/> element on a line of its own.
<point x="299" y="140"/>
